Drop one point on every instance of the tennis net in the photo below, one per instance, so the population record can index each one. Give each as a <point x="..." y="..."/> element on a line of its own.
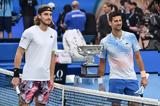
<point x="64" y="95"/>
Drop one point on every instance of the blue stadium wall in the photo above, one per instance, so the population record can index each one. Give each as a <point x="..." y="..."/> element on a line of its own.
<point x="87" y="5"/>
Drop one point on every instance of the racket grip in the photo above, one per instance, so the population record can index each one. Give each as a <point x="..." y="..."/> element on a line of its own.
<point x="17" y="90"/>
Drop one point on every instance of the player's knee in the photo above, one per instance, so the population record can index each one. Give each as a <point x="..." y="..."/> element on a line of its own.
<point x="42" y="100"/>
<point x="23" y="104"/>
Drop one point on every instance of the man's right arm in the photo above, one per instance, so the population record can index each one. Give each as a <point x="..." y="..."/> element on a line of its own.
<point x="18" y="57"/>
<point x="102" y="67"/>
<point x="101" y="74"/>
<point x="17" y="63"/>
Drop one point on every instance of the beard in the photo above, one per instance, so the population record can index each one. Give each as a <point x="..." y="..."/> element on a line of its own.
<point x="118" y="28"/>
<point x="45" y="23"/>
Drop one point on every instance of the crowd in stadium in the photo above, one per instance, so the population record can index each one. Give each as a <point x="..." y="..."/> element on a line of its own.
<point x="143" y="22"/>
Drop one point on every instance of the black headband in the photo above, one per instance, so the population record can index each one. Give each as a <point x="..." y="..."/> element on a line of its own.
<point x="44" y="8"/>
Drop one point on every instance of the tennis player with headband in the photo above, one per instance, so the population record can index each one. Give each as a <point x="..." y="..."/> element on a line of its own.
<point x="39" y="44"/>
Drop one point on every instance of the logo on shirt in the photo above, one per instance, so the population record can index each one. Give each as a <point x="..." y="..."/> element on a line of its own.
<point x="23" y="38"/>
<point x="51" y="36"/>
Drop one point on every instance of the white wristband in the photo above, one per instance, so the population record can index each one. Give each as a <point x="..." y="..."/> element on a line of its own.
<point x="143" y="73"/>
<point x="17" y="90"/>
<point x="100" y="80"/>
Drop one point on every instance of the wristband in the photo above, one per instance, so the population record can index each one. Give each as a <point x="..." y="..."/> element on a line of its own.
<point x="100" y="80"/>
<point x="17" y="90"/>
<point x="16" y="72"/>
<point x="143" y="73"/>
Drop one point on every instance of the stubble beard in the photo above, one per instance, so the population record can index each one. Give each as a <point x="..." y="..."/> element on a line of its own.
<point x="119" y="28"/>
<point x="44" y="23"/>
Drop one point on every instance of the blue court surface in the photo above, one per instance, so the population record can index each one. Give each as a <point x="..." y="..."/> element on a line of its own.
<point x="151" y="91"/>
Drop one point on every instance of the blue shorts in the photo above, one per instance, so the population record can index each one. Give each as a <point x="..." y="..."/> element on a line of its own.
<point x="121" y="86"/>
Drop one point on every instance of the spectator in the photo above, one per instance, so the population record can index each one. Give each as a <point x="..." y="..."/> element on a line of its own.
<point x="124" y="8"/>
<point x="6" y="8"/>
<point x="138" y="10"/>
<point x="125" y="12"/>
<point x="154" y="27"/>
<point x="135" y="18"/>
<point x="75" y="19"/>
<point x="67" y="8"/>
<point x="90" y="28"/>
<point x="103" y="25"/>
<point x="28" y="12"/>
<point x="52" y="5"/>
<point x="131" y="17"/>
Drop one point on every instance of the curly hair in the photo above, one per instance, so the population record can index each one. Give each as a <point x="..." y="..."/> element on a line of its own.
<point x="37" y="20"/>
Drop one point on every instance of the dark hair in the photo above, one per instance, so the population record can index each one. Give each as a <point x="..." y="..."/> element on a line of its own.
<point x="67" y="8"/>
<point x="157" y="1"/>
<point x="123" y="1"/>
<point x="114" y="14"/>
<point x="108" y="4"/>
<point x="133" y="3"/>
<point x="41" y="9"/>
<point x="37" y="20"/>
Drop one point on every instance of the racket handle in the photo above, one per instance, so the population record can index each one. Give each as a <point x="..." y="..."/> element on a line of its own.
<point x="17" y="90"/>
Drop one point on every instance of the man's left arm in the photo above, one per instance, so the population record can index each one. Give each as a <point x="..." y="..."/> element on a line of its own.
<point x="52" y="65"/>
<point x="52" y="68"/>
<point x="141" y="67"/>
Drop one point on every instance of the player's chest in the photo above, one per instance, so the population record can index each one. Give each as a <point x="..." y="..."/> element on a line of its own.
<point x="118" y="46"/>
<point x="43" y="40"/>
